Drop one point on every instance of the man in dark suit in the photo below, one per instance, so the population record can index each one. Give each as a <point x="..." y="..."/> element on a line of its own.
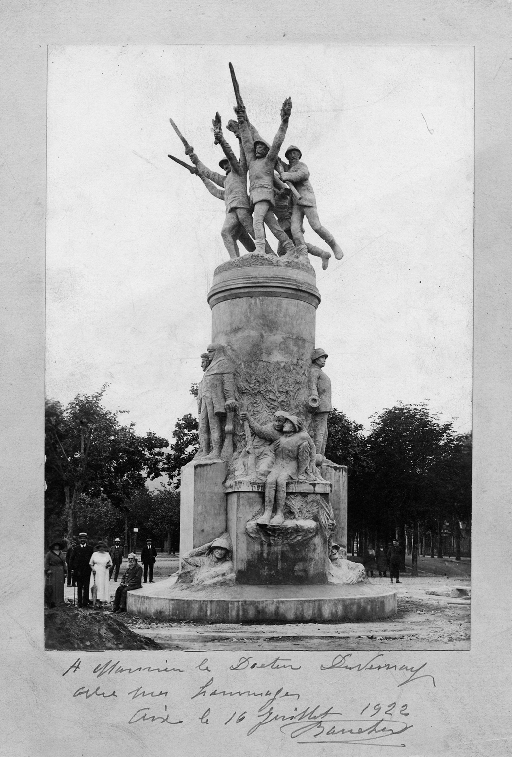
<point x="147" y="558"/>
<point x="81" y="569"/>
<point x="116" y="555"/>
<point x="131" y="580"/>
<point x="394" y="561"/>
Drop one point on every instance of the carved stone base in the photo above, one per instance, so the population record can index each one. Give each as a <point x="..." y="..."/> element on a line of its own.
<point x="337" y="475"/>
<point x="329" y="603"/>
<point x="294" y="552"/>
<point x="203" y="503"/>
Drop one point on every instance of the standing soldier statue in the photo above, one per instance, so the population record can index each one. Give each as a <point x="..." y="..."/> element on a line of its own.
<point x="298" y="174"/>
<point x="204" y="436"/>
<point x="319" y="401"/>
<point x="261" y="161"/>
<point x="283" y="212"/>
<point x="217" y="399"/>
<point x="232" y="188"/>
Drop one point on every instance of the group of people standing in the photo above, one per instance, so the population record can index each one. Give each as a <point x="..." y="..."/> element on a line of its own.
<point x="382" y="561"/>
<point x="90" y="569"/>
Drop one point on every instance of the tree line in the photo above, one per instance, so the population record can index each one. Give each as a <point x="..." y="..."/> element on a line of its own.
<point x="409" y="476"/>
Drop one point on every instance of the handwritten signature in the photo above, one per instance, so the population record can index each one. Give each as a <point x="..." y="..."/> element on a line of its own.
<point x="329" y="731"/>
<point x="339" y="662"/>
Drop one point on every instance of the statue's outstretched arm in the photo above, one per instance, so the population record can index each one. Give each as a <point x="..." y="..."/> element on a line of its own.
<point x="245" y="134"/>
<point x="230" y="155"/>
<point x="281" y="132"/>
<point x="296" y="174"/>
<point x="212" y="189"/>
<point x="264" y="432"/>
<point x="202" y="170"/>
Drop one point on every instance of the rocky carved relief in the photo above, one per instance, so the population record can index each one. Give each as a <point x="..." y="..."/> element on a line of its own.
<point x="304" y="516"/>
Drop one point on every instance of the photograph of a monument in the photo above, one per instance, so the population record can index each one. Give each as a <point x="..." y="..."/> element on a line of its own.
<point x="300" y="353"/>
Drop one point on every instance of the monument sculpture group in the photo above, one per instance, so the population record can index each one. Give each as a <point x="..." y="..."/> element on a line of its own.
<point x="263" y="512"/>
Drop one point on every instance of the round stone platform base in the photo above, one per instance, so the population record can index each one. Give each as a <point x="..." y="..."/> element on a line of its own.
<point x="327" y="603"/>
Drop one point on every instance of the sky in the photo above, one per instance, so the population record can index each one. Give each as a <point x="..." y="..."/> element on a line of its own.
<point x="133" y="239"/>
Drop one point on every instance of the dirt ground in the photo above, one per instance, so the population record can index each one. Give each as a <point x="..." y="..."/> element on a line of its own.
<point x="68" y="627"/>
<point x="423" y="622"/>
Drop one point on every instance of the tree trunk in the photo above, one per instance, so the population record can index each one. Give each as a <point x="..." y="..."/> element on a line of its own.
<point x="70" y="513"/>
<point x="432" y="544"/>
<point x="440" y="539"/>
<point x="402" y="539"/>
<point x="414" y="549"/>
<point x="457" y="540"/>
<point x="126" y="546"/>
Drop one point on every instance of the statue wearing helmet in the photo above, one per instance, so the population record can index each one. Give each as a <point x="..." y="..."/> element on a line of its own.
<point x="261" y="159"/>
<point x="298" y="173"/>
<point x="319" y="401"/>
<point x="293" y="459"/>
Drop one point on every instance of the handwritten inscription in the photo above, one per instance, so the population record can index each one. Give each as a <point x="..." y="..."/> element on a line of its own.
<point x="346" y="731"/>
<point x="279" y="663"/>
<point x="339" y="662"/>
<point x="284" y="708"/>
<point x="145" y="715"/>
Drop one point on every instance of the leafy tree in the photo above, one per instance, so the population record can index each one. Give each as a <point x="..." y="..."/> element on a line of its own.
<point x="156" y="513"/>
<point x="184" y="447"/>
<point x="98" y="517"/>
<point x="412" y="453"/>
<point x="88" y="452"/>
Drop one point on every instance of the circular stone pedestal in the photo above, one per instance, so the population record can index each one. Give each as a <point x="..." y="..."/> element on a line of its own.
<point x="326" y="603"/>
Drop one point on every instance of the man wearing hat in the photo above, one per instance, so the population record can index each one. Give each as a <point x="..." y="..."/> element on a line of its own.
<point x="319" y="401"/>
<point x="131" y="580"/>
<point x="298" y="174"/>
<point x="261" y="159"/>
<point x="116" y="556"/>
<point x="147" y="558"/>
<point x="81" y="569"/>
<point x="394" y="560"/>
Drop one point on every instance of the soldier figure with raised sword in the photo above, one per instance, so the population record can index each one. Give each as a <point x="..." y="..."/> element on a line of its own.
<point x="261" y="160"/>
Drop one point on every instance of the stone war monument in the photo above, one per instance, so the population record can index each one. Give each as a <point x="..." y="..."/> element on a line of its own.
<point x="263" y="511"/>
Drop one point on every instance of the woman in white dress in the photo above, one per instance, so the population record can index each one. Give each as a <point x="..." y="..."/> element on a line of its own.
<point x="100" y="563"/>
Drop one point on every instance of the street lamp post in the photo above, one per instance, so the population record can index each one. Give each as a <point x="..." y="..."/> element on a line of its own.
<point x="135" y="532"/>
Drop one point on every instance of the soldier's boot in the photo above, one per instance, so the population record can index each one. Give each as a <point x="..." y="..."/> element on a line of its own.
<point x="328" y="237"/>
<point x="264" y="520"/>
<point x="338" y="252"/>
<point x="260" y="247"/>
<point x="289" y="247"/>
<point x="319" y="253"/>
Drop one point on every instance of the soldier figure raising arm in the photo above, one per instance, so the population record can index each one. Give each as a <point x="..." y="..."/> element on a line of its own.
<point x="261" y="161"/>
